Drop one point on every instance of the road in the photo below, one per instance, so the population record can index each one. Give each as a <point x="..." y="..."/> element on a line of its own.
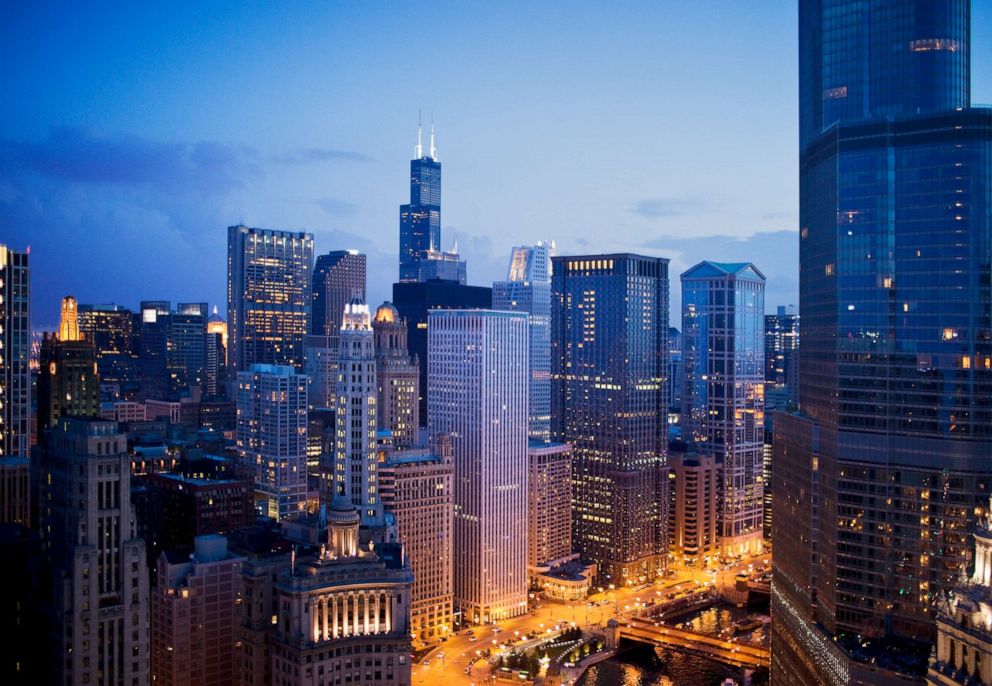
<point x="449" y="663"/>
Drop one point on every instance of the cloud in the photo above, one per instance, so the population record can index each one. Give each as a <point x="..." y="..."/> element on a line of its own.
<point x="669" y="207"/>
<point x="337" y="207"/>
<point x="308" y="155"/>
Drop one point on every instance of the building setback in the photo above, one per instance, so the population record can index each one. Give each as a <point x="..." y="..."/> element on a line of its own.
<point x="477" y="376"/>
<point x="609" y="365"/>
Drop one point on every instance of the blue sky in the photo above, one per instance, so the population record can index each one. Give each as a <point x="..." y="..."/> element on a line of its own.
<point x="132" y="135"/>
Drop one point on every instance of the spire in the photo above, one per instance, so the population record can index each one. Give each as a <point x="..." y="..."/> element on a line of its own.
<point x="69" y="326"/>
<point x="433" y="146"/>
<point x="418" y="152"/>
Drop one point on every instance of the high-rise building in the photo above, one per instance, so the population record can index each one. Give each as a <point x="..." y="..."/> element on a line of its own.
<point x="153" y="349"/>
<point x="549" y="503"/>
<point x="272" y="437"/>
<point x="528" y="289"/>
<point x="478" y="392"/>
<point x="398" y="378"/>
<point x="15" y="491"/>
<point x="344" y="614"/>
<point x="99" y="574"/>
<point x="414" y="301"/>
<point x="355" y="460"/>
<point x="269" y="296"/>
<point x="338" y="277"/>
<point x="782" y="351"/>
<point x="196" y="615"/>
<point x="675" y="378"/>
<point x="609" y="400"/>
<point x="15" y="339"/>
<point x="187" y="349"/>
<point x="320" y="364"/>
<point x="694" y="488"/>
<point x="112" y="330"/>
<point x="24" y="623"/>
<point x="885" y="468"/>
<point x="67" y="378"/>
<point x="723" y="407"/>
<point x="416" y="487"/>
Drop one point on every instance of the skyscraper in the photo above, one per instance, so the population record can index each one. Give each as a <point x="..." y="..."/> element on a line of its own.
<point x="99" y="573"/>
<point x="272" y="437"/>
<point x="68" y="385"/>
<point x="477" y="391"/>
<point x="354" y="469"/>
<point x="528" y="289"/>
<point x="15" y="337"/>
<point x="398" y="378"/>
<point x="782" y="351"/>
<point x="723" y="405"/>
<point x="338" y="277"/>
<point x="269" y="296"/>
<point x="112" y="330"/>
<point x="188" y="348"/>
<point x="421" y="257"/>
<point x="153" y="349"/>
<point x="887" y="465"/>
<point x="414" y="301"/>
<point x="609" y="399"/>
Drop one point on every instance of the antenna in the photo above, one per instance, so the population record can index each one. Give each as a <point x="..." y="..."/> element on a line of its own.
<point x="418" y="152"/>
<point x="433" y="146"/>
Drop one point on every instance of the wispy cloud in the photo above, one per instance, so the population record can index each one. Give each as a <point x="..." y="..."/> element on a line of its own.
<point x="308" y="155"/>
<point x="337" y="207"/>
<point x="657" y="208"/>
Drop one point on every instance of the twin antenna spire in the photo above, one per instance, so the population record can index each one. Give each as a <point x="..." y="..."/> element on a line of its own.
<point x="419" y="150"/>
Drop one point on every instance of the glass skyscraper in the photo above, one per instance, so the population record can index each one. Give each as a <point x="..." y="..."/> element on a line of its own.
<point x="338" y="277"/>
<point x="609" y="399"/>
<point x="528" y="289"/>
<point x="882" y="473"/>
<point x="15" y="344"/>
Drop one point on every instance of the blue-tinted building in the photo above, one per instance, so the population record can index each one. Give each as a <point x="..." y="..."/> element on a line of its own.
<point x="881" y="475"/>
<point x="609" y="399"/>
<point x="528" y="289"/>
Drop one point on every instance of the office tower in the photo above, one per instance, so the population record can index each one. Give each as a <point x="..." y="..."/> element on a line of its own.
<point x="187" y="349"/>
<point x="528" y="289"/>
<point x="153" y="349"/>
<point x="416" y="487"/>
<point x="272" y="437"/>
<point x="67" y="378"/>
<point x="782" y="351"/>
<point x="883" y="471"/>
<point x="609" y="363"/>
<point x="214" y="365"/>
<point x="268" y="296"/>
<point x="111" y="329"/>
<point x="345" y="613"/>
<point x="15" y="491"/>
<point x="398" y="378"/>
<point x="414" y="301"/>
<point x="196" y="615"/>
<point x="963" y="651"/>
<point x="100" y="576"/>
<point x="338" y="277"/>
<point x="478" y="391"/>
<point x="694" y="487"/>
<point x="15" y="339"/>
<point x="320" y="364"/>
<point x="549" y="504"/>
<point x="675" y="379"/>
<point x="446" y="266"/>
<point x="355" y="419"/>
<point x="723" y="408"/>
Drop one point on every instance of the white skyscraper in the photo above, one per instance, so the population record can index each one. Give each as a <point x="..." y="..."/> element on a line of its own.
<point x="477" y="392"/>
<point x="528" y="289"/>
<point x="272" y="436"/>
<point x="355" y="455"/>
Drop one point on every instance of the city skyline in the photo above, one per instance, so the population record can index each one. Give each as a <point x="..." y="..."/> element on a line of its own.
<point x="334" y="163"/>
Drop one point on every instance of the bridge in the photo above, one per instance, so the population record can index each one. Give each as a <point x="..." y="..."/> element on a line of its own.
<point x="690" y="642"/>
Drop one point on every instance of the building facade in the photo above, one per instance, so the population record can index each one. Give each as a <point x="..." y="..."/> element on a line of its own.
<point x="528" y="289"/>
<point x="477" y="392"/>
<point x="895" y="234"/>
<point x="99" y="572"/>
<point x="272" y="437"/>
<point x="269" y="296"/>
<point x="782" y="351"/>
<point x="694" y="483"/>
<point x="609" y="365"/>
<point x="549" y="503"/>
<point x="15" y="491"/>
<point x="115" y="337"/>
<point x="398" y="378"/>
<point x="338" y="277"/>
<point x="416" y="487"/>
<point x="196" y="615"/>
<point x="15" y="377"/>
<point x="723" y="406"/>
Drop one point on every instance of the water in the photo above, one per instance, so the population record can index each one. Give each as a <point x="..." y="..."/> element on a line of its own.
<point x="644" y="665"/>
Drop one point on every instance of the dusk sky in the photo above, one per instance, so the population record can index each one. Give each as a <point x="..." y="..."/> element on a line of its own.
<point x="131" y="136"/>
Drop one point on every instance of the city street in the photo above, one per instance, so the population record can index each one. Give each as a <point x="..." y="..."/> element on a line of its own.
<point x="449" y="663"/>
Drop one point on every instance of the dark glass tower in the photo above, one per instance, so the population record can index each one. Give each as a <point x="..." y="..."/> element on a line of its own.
<point x="420" y="221"/>
<point x="880" y="476"/>
<point x="338" y="277"/>
<point x="609" y="400"/>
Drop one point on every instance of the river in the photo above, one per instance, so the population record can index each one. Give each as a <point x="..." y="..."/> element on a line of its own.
<point x="644" y="665"/>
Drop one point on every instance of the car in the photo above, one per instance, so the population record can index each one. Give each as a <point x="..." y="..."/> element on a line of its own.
<point x="496" y="629"/>
<point x="473" y="638"/>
